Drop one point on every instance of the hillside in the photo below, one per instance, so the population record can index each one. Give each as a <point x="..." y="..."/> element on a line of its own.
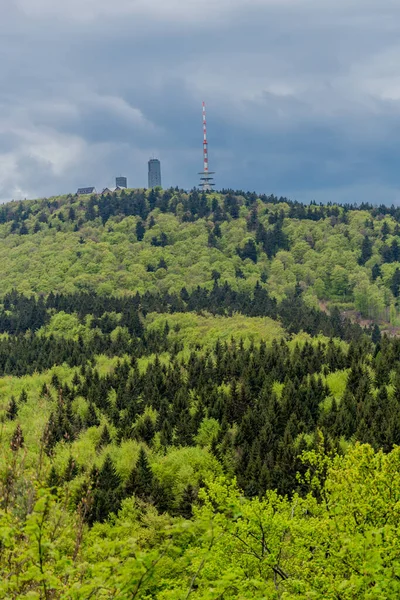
<point x="166" y="241"/>
<point x="179" y="417"/>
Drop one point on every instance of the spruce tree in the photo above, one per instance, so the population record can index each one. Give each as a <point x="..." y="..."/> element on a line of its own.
<point x="71" y="470"/>
<point x="108" y="477"/>
<point x="92" y="420"/>
<point x="184" y="430"/>
<point x="395" y="251"/>
<point x="140" y="481"/>
<point x="366" y="250"/>
<point x="376" y="334"/>
<point x="105" y="438"/>
<point x="385" y="230"/>
<point x="55" y="382"/>
<point x="44" y="391"/>
<point x="53" y="480"/>
<point x="376" y="272"/>
<point x="23" y="397"/>
<point x="186" y="504"/>
<point x="145" y="430"/>
<point x="395" y="283"/>
<point x="106" y="491"/>
<point x="17" y="440"/>
<point x="166" y="434"/>
<point x="140" y="231"/>
<point x="386" y="253"/>
<point x="346" y="421"/>
<point x="249" y="251"/>
<point x="12" y="410"/>
<point x="161" y="496"/>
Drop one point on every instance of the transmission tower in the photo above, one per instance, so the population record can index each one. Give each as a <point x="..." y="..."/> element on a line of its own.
<point x="206" y="179"/>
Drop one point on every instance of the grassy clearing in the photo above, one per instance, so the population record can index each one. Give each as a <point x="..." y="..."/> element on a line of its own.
<point x="204" y="330"/>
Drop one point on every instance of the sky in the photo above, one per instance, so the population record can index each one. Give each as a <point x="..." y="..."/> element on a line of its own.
<point x="303" y="96"/>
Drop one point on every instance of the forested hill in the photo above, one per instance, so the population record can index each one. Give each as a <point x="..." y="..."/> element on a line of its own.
<point x="198" y="399"/>
<point x="166" y="241"/>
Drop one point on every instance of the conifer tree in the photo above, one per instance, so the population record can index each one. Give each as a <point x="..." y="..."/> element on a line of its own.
<point x="248" y="251"/>
<point x="108" y="477"/>
<point x="376" y="334"/>
<point x="44" y="391"/>
<point x="346" y="422"/>
<point x="217" y="231"/>
<point x="92" y="420"/>
<point x="186" y="504"/>
<point x="55" y="382"/>
<point x="376" y="272"/>
<point x="105" y="438"/>
<point x="161" y="496"/>
<point x="145" y="430"/>
<point x="395" y="283"/>
<point x="23" y="397"/>
<point x="17" y="440"/>
<point x="53" y="480"/>
<point x="140" y="481"/>
<point x="395" y="250"/>
<point x="184" y="431"/>
<point x="385" y="230"/>
<point x="366" y="250"/>
<point x="12" y="410"/>
<point x="166" y="434"/>
<point x="106" y="491"/>
<point x="71" y="470"/>
<point x="140" y="231"/>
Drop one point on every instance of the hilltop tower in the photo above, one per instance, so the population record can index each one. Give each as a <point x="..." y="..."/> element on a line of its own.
<point x="206" y="179"/>
<point x="154" y="173"/>
<point x="121" y="182"/>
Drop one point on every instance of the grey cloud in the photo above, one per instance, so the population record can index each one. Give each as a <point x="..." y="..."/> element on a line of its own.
<point x="302" y="97"/>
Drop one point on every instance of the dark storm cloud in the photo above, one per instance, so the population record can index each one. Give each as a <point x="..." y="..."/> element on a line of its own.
<point x="303" y="97"/>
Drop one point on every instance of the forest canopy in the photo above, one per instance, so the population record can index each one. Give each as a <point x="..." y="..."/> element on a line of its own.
<point x="199" y="398"/>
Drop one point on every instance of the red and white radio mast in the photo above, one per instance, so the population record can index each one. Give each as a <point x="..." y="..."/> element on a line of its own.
<point x="206" y="179"/>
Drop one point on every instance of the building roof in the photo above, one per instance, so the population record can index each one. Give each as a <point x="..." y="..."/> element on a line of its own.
<point x="86" y="190"/>
<point x="111" y="190"/>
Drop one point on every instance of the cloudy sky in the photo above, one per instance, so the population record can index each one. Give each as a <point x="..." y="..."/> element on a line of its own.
<point x="303" y="96"/>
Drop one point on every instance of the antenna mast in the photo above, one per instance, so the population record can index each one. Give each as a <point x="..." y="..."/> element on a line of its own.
<point x="205" y="180"/>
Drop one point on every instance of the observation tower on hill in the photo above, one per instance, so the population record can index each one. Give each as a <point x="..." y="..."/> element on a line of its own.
<point x="154" y="173"/>
<point x="206" y="179"/>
